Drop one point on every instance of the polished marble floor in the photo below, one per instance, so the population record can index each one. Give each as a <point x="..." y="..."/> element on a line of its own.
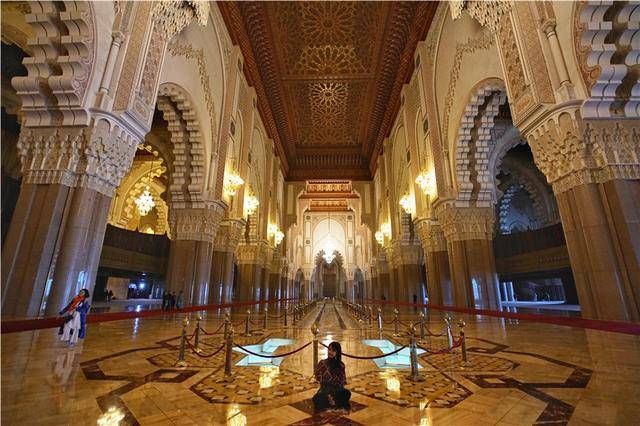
<point x="516" y="373"/>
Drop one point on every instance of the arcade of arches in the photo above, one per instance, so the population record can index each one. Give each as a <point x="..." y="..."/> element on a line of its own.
<point x="471" y="154"/>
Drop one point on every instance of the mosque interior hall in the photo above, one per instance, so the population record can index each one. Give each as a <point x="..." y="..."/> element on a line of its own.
<point x="320" y="212"/>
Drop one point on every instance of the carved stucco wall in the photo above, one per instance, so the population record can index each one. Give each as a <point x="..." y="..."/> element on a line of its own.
<point x="466" y="54"/>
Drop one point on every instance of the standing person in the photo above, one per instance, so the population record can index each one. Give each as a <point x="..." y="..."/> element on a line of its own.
<point x="180" y="300"/>
<point x="75" y="314"/>
<point x="172" y="300"/>
<point x="165" y="300"/>
<point x="110" y="296"/>
<point x="331" y="375"/>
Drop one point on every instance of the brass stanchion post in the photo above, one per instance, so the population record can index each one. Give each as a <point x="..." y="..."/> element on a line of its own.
<point x="413" y="352"/>
<point x="447" y="320"/>
<point x="197" y="339"/>
<point x="264" y="321"/>
<point x="247" y="331"/>
<point x="228" y="355"/>
<point x="421" y="326"/>
<point x="315" y="330"/>
<point x="286" y="310"/>
<point x="183" y="342"/>
<point x="461" y="325"/>
<point x="227" y="323"/>
<point x="379" y="320"/>
<point x="396" y="322"/>
<point x="370" y="317"/>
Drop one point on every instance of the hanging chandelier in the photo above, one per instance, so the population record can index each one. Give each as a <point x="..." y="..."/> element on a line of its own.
<point x="232" y="182"/>
<point x="251" y="203"/>
<point x="427" y="182"/>
<point x="145" y="202"/>
<point x="328" y="249"/>
<point x="407" y="203"/>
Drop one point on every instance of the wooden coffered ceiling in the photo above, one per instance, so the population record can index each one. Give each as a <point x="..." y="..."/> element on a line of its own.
<point x="328" y="77"/>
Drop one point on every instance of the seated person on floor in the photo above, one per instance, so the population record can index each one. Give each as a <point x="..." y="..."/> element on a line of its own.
<point x="330" y="373"/>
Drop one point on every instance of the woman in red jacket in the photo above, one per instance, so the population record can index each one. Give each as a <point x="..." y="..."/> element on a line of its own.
<point x="331" y="375"/>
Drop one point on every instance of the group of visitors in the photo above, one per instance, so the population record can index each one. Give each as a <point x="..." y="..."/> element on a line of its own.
<point x="170" y="301"/>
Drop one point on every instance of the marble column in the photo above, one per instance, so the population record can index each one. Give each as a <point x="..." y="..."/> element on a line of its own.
<point x="193" y="231"/>
<point x="224" y="246"/>
<point x="251" y="261"/>
<point x="593" y="166"/>
<point x="434" y="246"/>
<point x="408" y="264"/>
<point x="384" y="281"/>
<point x="53" y="244"/>
<point x="469" y="233"/>
<point x="601" y="223"/>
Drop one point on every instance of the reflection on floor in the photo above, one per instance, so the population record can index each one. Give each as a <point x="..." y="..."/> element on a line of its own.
<point x="516" y="373"/>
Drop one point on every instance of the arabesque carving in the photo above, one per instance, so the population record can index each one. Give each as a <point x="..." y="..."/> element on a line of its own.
<point x="95" y="157"/>
<point x="229" y="234"/>
<point x="196" y="224"/>
<point x="465" y="223"/>
<point x="571" y="151"/>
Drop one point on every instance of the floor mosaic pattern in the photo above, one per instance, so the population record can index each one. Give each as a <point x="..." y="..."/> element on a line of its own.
<point x="515" y="373"/>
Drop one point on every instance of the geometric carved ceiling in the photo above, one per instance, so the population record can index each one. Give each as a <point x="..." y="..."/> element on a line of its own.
<point x="328" y="77"/>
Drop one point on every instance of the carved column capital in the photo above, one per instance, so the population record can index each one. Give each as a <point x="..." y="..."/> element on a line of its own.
<point x="571" y="151"/>
<point x="97" y="156"/>
<point x="465" y="223"/>
<point x="406" y="255"/>
<point x="195" y="224"/>
<point x="229" y="234"/>
<point x="431" y="235"/>
<point x="256" y="253"/>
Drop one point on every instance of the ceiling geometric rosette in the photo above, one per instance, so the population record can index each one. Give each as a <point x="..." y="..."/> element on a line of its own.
<point x="328" y="75"/>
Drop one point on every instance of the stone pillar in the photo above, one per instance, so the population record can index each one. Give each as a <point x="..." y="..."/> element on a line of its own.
<point x="469" y="233"/>
<point x="408" y="263"/>
<point x="434" y="246"/>
<point x="383" y="276"/>
<point x="56" y="234"/>
<point x="189" y="269"/>
<point x="224" y="246"/>
<point x="594" y="169"/>
<point x="251" y="270"/>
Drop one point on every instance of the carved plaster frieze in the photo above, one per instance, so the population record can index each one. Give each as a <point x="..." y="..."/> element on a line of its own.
<point x="487" y="12"/>
<point x="571" y="151"/>
<point x="196" y="224"/>
<point x="406" y="255"/>
<point x="173" y="16"/>
<point x="465" y="223"/>
<point x="54" y="91"/>
<point x="431" y="235"/>
<point x="229" y="234"/>
<point x="256" y="253"/>
<point x="95" y="157"/>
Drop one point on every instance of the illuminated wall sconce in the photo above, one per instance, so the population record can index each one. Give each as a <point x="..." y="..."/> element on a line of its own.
<point x="232" y="182"/>
<point x="408" y="204"/>
<point x="379" y="237"/>
<point x="274" y="231"/>
<point x="386" y="229"/>
<point x="278" y="237"/>
<point x="251" y="203"/>
<point x="427" y="182"/>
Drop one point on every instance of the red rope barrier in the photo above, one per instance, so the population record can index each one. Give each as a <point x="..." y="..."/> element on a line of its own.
<point x="605" y="325"/>
<point x="456" y="344"/>
<point x="205" y="356"/>
<point x="271" y="356"/>
<point x="14" y="326"/>
<point x="256" y="322"/>
<point x="369" y="357"/>
<point x="215" y="332"/>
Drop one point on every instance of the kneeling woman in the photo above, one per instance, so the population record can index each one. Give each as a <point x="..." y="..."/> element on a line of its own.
<point x="330" y="373"/>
